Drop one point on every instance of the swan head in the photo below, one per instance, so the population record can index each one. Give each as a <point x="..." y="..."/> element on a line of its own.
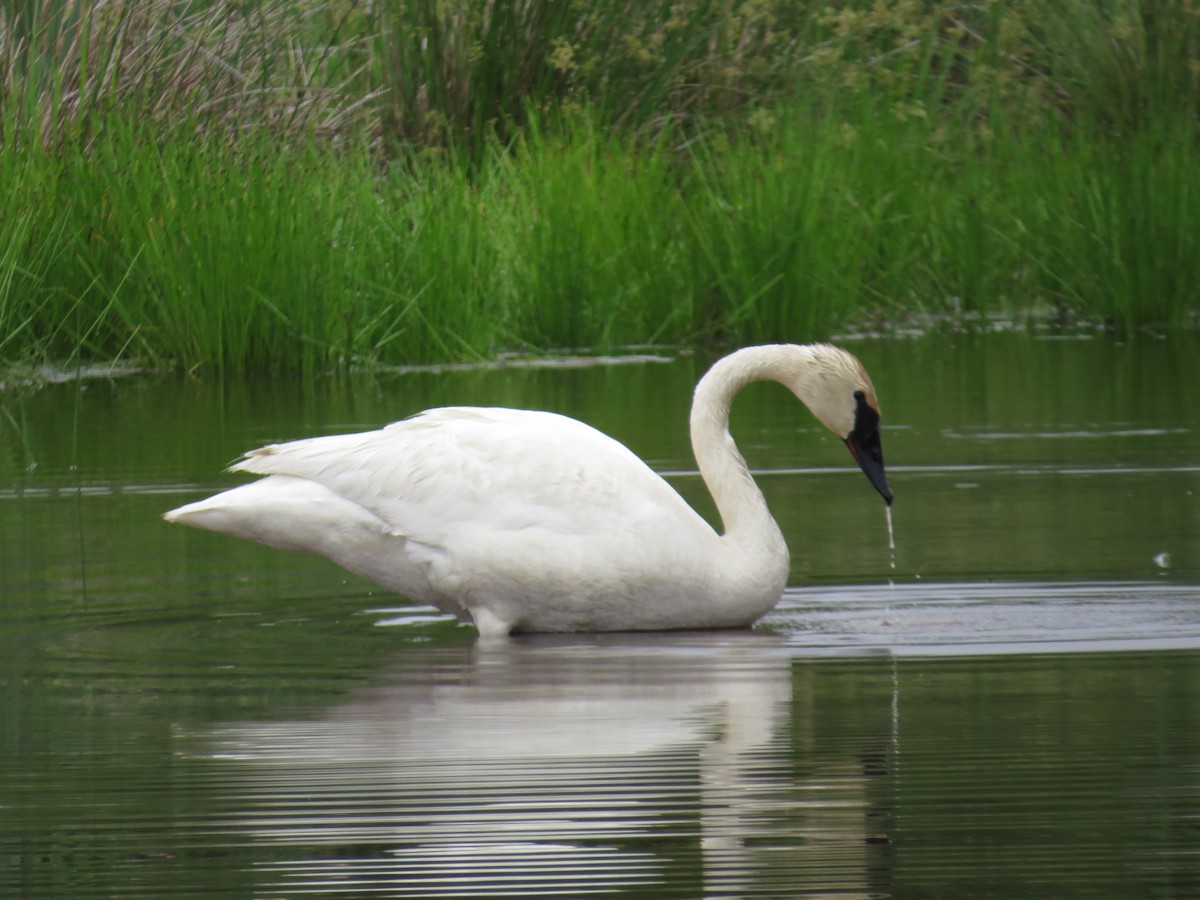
<point x="836" y="387"/>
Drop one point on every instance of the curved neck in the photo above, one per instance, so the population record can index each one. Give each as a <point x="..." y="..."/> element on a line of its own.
<point x="743" y="509"/>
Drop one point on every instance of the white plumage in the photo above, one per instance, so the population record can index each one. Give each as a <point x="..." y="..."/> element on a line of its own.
<point x="523" y="520"/>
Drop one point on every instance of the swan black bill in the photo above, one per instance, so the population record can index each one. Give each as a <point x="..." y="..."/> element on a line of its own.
<point x="866" y="448"/>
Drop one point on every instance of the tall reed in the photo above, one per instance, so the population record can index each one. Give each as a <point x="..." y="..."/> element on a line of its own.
<point x="298" y="67"/>
<point x="431" y="72"/>
<point x="252" y="255"/>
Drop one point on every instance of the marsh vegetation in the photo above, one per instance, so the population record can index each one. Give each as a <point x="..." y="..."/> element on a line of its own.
<point x="297" y="185"/>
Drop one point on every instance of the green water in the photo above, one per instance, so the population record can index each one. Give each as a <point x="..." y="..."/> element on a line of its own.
<point x="1013" y="711"/>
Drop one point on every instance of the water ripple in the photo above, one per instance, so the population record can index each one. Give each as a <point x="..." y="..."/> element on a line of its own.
<point x="1003" y="617"/>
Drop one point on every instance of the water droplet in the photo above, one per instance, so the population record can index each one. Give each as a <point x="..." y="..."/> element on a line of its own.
<point x="891" y="536"/>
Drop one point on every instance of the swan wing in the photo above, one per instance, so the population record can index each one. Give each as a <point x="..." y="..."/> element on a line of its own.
<point x="490" y="470"/>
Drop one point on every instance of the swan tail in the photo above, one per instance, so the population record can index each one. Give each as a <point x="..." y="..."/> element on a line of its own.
<point x="284" y="512"/>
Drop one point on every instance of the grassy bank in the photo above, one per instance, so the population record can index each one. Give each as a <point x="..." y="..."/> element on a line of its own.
<point x="303" y="211"/>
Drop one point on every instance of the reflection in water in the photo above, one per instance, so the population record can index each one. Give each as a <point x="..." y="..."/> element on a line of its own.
<point x="567" y="767"/>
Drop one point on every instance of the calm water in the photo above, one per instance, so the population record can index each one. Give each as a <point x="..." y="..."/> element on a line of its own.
<point x="1013" y="711"/>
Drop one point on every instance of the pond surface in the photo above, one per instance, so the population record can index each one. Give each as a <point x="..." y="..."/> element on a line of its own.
<point x="1012" y="711"/>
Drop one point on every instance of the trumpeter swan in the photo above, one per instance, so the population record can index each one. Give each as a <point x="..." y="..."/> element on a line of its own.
<point x="518" y="520"/>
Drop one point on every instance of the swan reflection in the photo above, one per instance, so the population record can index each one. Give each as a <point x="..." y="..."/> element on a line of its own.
<point x="556" y="766"/>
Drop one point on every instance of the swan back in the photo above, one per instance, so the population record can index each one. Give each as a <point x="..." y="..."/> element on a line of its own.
<point x="505" y="469"/>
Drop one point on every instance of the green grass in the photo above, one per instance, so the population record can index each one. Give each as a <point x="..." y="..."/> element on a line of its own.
<point x="306" y="186"/>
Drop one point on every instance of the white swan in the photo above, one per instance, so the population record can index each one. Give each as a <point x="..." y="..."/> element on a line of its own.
<point x="518" y="520"/>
